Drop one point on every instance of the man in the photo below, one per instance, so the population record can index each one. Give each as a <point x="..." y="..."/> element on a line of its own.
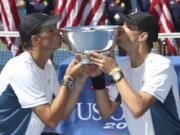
<point x="28" y="81"/>
<point x="146" y="82"/>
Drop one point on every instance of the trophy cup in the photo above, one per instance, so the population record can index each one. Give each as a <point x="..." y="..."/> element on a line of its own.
<point x="84" y="39"/>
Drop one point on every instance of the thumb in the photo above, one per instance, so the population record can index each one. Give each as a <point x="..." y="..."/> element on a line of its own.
<point x="73" y="62"/>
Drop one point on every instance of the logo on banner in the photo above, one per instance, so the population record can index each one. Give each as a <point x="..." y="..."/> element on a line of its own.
<point x="89" y="111"/>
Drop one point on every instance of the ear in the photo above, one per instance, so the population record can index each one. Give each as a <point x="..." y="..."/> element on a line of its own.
<point x="35" y="40"/>
<point x="143" y="37"/>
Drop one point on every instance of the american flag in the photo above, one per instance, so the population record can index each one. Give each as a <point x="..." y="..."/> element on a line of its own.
<point x="81" y="12"/>
<point x="9" y="21"/>
<point x="160" y="9"/>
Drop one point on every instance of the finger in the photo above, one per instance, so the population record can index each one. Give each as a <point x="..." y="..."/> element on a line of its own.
<point x="78" y="57"/>
<point x="86" y="71"/>
<point x="73" y="68"/>
<point x="112" y="55"/>
<point x="91" y="72"/>
<point x="98" y="60"/>
<point x="73" y="62"/>
<point x="87" y="67"/>
<point x="100" y="65"/>
<point x="95" y="54"/>
<point x="79" y="65"/>
<point x="91" y="69"/>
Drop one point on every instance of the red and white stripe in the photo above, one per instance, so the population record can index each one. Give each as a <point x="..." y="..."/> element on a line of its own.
<point x="9" y="20"/>
<point x="81" y="12"/>
<point x="160" y="9"/>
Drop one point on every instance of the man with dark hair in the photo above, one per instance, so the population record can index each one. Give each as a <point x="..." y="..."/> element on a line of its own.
<point x="145" y="83"/>
<point x="28" y="81"/>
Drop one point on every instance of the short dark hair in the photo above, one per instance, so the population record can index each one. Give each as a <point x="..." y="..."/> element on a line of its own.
<point x="32" y="24"/>
<point x="145" y="22"/>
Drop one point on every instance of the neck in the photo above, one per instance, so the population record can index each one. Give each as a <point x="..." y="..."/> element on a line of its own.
<point x="138" y="57"/>
<point x="40" y="58"/>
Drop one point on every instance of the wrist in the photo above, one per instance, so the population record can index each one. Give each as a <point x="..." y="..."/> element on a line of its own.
<point x="98" y="82"/>
<point x="115" y="69"/>
<point x="68" y="82"/>
<point x="66" y="76"/>
<point x="116" y="74"/>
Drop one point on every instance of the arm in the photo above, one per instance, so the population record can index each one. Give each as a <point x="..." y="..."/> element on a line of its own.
<point x="156" y="86"/>
<point x="105" y="105"/>
<point x="52" y="113"/>
<point x="65" y="100"/>
<point x="138" y="103"/>
<point x="73" y="97"/>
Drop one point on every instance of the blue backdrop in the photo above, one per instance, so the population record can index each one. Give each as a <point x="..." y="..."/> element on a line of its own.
<point x="85" y="118"/>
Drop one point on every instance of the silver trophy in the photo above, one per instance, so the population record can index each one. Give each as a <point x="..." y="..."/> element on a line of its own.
<point x="84" y="39"/>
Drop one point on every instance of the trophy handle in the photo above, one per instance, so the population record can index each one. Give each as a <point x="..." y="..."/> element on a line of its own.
<point x="68" y="40"/>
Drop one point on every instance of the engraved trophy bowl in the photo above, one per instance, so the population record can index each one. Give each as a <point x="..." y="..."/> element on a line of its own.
<point x="84" y="39"/>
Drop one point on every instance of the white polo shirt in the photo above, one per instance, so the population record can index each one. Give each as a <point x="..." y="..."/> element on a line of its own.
<point x="24" y="85"/>
<point x="157" y="77"/>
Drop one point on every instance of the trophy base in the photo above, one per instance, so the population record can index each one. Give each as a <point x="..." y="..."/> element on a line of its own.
<point x="84" y="59"/>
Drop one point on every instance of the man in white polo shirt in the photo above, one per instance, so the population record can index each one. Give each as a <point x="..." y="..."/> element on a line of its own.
<point x="29" y="81"/>
<point x="145" y="82"/>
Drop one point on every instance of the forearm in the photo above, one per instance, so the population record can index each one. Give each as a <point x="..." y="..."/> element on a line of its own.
<point x="103" y="103"/>
<point x="131" y="98"/>
<point x="66" y="99"/>
<point x="72" y="100"/>
<point x="58" y="105"/>
<point x="51" y="113"/>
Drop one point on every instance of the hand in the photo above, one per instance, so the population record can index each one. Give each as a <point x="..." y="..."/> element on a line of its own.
<point x="77" y="71"/>
<point x="105" y="63"/>
<point x="92" y="69"/>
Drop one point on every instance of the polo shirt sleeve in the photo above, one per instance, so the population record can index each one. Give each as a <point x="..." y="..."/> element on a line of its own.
<point x="158" y="81"/>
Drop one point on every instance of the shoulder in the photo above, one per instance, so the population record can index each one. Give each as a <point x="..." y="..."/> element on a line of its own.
<point x="21" y="65"/>
<point x="157" y="64"/>
<point x="157" y="59"/>
<point x="23" y="61"/>
<point x="16" y="62"/>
